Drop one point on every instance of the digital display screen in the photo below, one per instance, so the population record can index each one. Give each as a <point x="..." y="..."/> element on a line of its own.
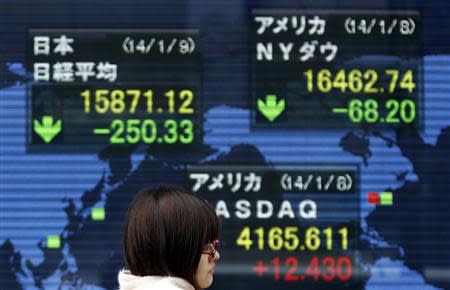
<point x="318" y="130"/>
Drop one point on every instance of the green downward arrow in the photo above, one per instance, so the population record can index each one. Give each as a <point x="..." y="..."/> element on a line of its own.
<point x="271" y="109"/>
<point x="47" y="129"/>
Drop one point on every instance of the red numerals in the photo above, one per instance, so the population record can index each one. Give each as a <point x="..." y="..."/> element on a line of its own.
<point x="292" y="270"/>
<point x="290" y="275"/>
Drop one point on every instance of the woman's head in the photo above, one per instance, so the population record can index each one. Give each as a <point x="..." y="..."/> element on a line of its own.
<point x="169" y="231"/>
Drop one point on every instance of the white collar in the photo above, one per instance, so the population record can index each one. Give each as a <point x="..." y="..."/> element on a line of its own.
<point x="128" y="281"/>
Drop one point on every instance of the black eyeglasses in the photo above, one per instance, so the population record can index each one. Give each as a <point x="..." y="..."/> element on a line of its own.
<point x="211" y="249"/>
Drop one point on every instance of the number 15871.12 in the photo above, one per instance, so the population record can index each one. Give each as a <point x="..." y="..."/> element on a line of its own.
<point x="119" y="101"/>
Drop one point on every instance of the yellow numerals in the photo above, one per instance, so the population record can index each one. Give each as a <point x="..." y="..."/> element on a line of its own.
<point x="289" y="238"/>
<point x="128" y="101"/>
<point x="357" y="81"/>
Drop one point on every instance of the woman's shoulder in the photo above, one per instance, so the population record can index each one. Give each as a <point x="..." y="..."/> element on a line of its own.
<point x="128" y="281"/>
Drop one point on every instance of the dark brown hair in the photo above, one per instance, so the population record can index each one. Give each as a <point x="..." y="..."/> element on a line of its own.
<point x="166" y="231"/>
